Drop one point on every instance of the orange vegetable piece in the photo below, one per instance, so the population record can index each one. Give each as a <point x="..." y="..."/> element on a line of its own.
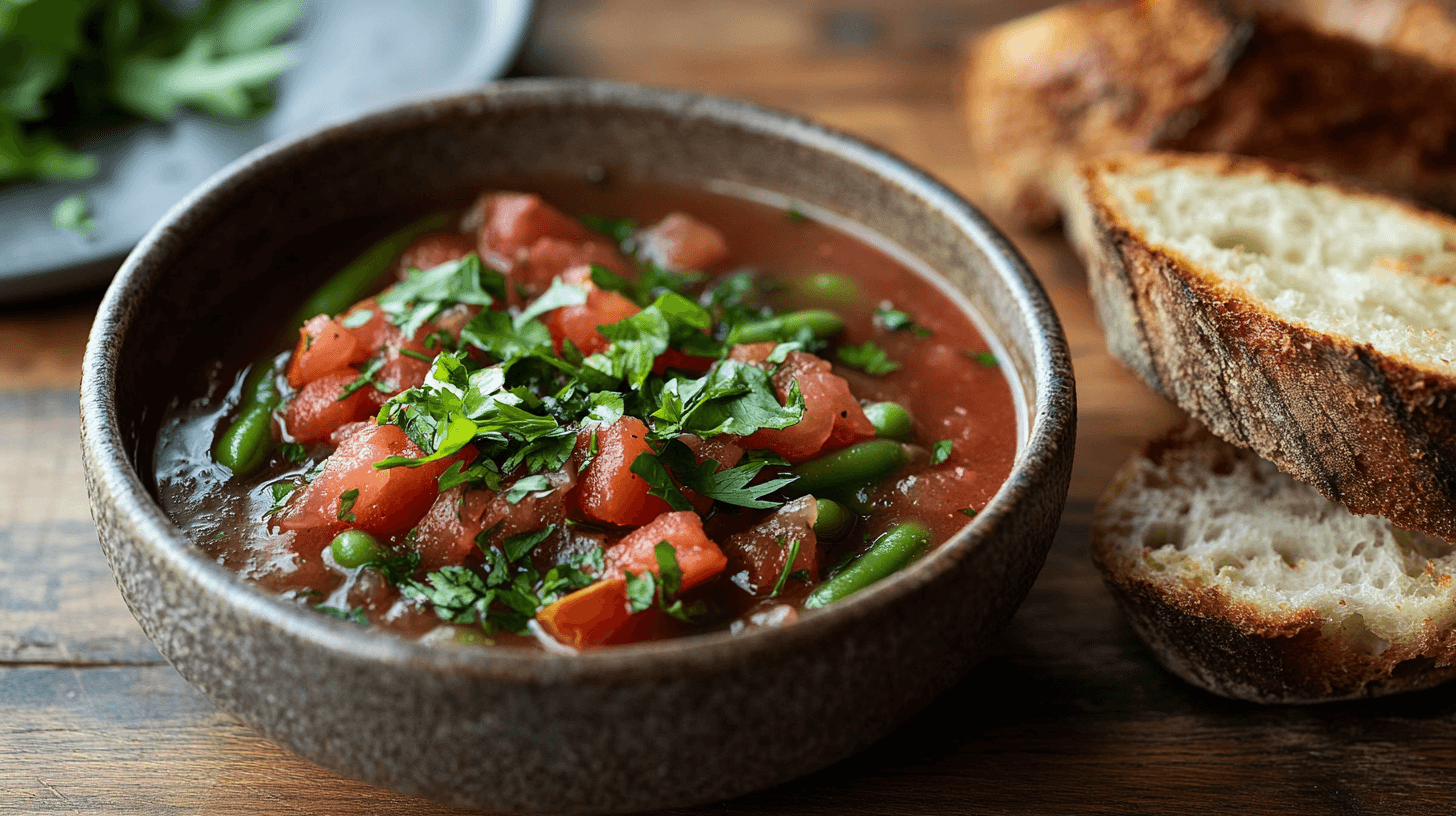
<point x="324" y="346"/>
<point x="607" y="490"/>
<point x="597" y="616"/>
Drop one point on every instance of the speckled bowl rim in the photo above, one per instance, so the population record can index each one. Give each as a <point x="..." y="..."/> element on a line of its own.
<point x="1050" y="361"/>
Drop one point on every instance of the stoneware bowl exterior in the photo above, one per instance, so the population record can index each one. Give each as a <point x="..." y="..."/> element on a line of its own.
<point x="621" y="729"/>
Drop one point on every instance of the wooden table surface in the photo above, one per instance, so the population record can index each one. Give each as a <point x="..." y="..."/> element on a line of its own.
<point x="1068" y="715"/>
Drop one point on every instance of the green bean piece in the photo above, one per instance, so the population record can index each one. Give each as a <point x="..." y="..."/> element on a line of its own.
<point x="244" y="445"/>
<point x="260" y="387"/>
<point x="361" y="277"/>
<point x="888" y="555"/>
<point x="860" y="500"/>
<point x="355" y="548"/>
<point x="819" y="322"/>
<point x="830" y="288"/>
<point x="862" y="464"/>
<point x="890" y="419"/>
<point x="833" y="521"/>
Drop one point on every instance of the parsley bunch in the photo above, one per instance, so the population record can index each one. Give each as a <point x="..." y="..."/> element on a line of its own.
<point x="69" y="67"/>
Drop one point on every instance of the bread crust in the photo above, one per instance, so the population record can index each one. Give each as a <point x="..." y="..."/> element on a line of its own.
<point x="1372" y="431"/>
<point x="1366" y="90"/>
<point x="1235" y="649"/>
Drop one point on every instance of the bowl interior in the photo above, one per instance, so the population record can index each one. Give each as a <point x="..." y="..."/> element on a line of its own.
<point x="249" y="245"/>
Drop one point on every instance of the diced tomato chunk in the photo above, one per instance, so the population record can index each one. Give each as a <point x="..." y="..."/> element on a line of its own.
<point x="431" y="250"/>
<point x="510" y="223"/>
<point x="832" y="416"/>
<point x="387" y="502"/>
<point x="550" y="257"/>
<point x="597" y="616"/>
<point x="579" y="323"/>
<point x="753" y="353"/>
<point x="324" y="346"/>
<point x="681" y="241"/>
<point x="607" y="489"/>
<point x="757" y="557"/>
<point x="697" y="556"/>
<point x="449" y="532"/>
<point x="316" y="410"/>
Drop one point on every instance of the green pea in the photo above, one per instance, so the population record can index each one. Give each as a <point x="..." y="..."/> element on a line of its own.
<point x="890" y="419"/>
<point x="863" y="464"/>
<point x="830" y="288"/>
<point x="355" y="548"/>
<point x="833" y="521"/>
<point x="244" y="445"/>
<point x="819" y="322"/>
<point x="888" y="555"/>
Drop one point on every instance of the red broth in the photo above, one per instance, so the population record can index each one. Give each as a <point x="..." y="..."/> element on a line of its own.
<point x="949" y="379"/>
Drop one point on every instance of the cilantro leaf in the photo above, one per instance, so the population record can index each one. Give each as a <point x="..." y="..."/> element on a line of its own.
<point x="868" y="357"/>
<point x="985" y="358"/>
<point x="660" y="484"/>
<point x="788" y="565"/>
<point x="346" y="504"/>
<point x="293" y="452"/>
<point x="621" y="230"/>
<point x="366" y="377"/>
<point x="458" y="594"/>
<point x="395" y="567"/>
<point x="560" y="294"/>
<point x="356" y="614"/>
<point x="896" y="320"/>
<point x="940" y="451"/>
<point x="729" y="485"/>
<point x="526" y="486"/>
<point x="641" y="591"/>
<point x="428" y="292"/>
<point x="519" y="546"/>
<point x="733" y="397"/>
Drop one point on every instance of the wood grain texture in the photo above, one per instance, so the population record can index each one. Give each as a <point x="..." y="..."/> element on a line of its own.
<point x="1069" y="715"/>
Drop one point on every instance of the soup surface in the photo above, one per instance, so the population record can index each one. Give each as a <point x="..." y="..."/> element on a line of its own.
<point x="575" y="418"/>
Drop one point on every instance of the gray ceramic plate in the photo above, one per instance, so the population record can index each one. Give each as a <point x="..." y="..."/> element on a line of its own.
<point x="626" y="728"/>
<point x="355" y="55"/>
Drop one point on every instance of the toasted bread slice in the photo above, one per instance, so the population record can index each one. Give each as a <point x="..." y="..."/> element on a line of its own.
<point x="1365" y="90"/>
<point x="1309" y="322"/>
<point x="1249" y="584"/>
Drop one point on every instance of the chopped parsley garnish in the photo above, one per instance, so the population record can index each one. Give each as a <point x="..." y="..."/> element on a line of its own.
<point x="356" y="614"/>
<point x="896" y="320"/>
<point x="356" y="320"/>
<point x="421" y="298"/>
<point x="646" y="590"/>
<point x="366" y="377"/>
<point x="346" y="504"/>
<point x="525" y="487"/>
<point x="730" y="485"/>
<point x="869" y="358"/>
<point x="940" y="451"/>
<point x="293" y="452"/>
<point x="395" y="567"/>
<point x="280" y="491"/>
<point x="510" y="592"/>
<point x="621" y="230"/>
<point x="968" y="511"/>
<point x="795" y="215"/>
<point x="793" y="555"/>
<point x="985" y="358"/>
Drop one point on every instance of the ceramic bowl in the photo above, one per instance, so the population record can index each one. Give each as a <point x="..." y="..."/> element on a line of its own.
<point x="629" y="728"/>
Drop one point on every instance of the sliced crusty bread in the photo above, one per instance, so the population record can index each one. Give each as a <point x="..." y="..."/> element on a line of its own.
<point x="1309" y="322"/>
<point x="1362" y="88"/>
<point x="1249" y="584"/>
